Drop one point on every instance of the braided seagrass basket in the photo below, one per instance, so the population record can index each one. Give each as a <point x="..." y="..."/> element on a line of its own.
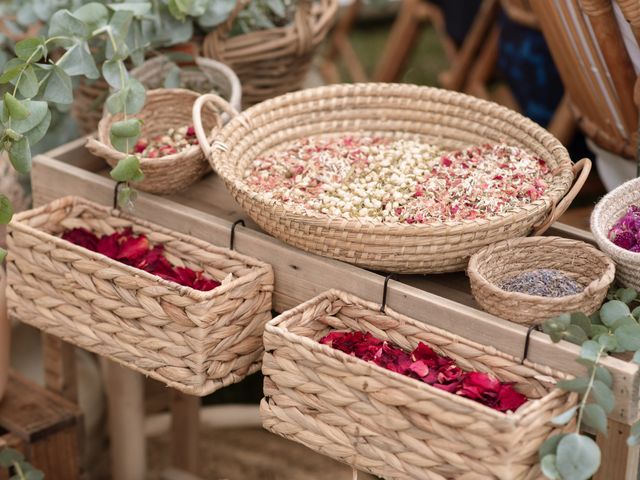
<point x="165" y="108"/>
<point x="194" y="341"/>
<point x="578" y="260"/>
<point x="391" y="425"/>
<point x="448" y="119"/>
<point x="274" y="61"/>
<point x="605" y="214"/>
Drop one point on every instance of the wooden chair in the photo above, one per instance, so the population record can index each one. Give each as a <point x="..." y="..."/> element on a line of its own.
<point x="595" y="68"/>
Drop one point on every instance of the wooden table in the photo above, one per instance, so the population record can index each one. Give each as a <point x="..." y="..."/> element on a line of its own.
<point x="207" y="211"/>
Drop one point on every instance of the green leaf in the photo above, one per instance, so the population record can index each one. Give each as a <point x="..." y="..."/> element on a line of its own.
<point x="582" y="321"/>
<point x="574" y="385"/>
<point x="550" y="445"/>
<point x="564" y="417"/>
<point x="93" y="14"/>
<point x="126" y="128"/>
<point x="59" y="88"/>
<point x="34" y="475"/>
<point x="597" y="330"/>
<point x="137" y="9"/>
<point x="3" y="255"/>
<point x="628" y="337"/>
<point x="119" y="24"/>
<point x="37" y="111"/>
<point x="127" y="170"/>
<point x="9" y="455"/>
<point x="20" y="155"/>
<point x="577" y="457"/>
<point x="136" y="97"/>
<point x="595" y="318"/>
<point x="126" y="198"/>
<point x="628" y="320"/>
<point x="636" y="357"/>
<point x="6" y="210"/>
<point x="636" y="313"/>
<point x="11" y="73"/>
<point x="594" y="416"/>
<point x="548" y="467"/>
<point x="626" y="295"/>
<point x="556" y="336"/>
<point x="78" y="60"/>
<point x="31" y="49"/>
<point x="15" y="108"/>
<point x="39" y="131"/>
<point x="116" y="101"/>
<point x="604" y="376"/>
<point x="608" y="342"/>
<point x="603" y="395"/>
<point x="589" y="350"/>
<point x="173" y="79"/>
<point x="634" y="438"/>
<point x="28" y="83"/>
<point x="612" y="311"/>
<point x="64" y="24"/>
<point x="111" y="70"/>
<point x="575" y="334"/>
<point x="557" y="324"/>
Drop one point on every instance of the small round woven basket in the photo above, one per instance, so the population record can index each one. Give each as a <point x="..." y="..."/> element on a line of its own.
<point x="164" y="109"/>
<point x="275" y="61"/>
<point x="448" y="119"/>
<point x="606" y="213"/>
<point x="577" y="260"/>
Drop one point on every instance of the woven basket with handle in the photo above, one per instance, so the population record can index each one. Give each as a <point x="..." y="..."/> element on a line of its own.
<point x="275" y="61"/>
<point x="164" y="108"/>
<point x="588" y="266"/>
<point x="391" y="425"/>
<point x="194" y="341"/>
<point x="606" y="213"/>
<point x="448" y="119"/>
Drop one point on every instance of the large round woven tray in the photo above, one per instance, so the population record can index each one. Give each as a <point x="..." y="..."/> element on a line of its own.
<point x="449" y="119"/>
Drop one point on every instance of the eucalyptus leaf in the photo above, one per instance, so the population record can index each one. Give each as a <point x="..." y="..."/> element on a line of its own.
<point x="126" y="128"/>
<point x="6" y="210"/>
<point x="33" y="475"/>
<point x="636" y="357"/>
<point x="78" y="60"/>
<point x="609" y="342"/>
<point x="127" y="169"/>
<point x="628" y="320"/>
<point x="628" y="337"/>
<point x="612" y="311"/>
<point x="36" y="112"/>
<point x="20" y="155"/>
<point x="550" y="445"/>
<point x="603" y="395"/>
<point x="575" y="334"/>
<point x="574" y="385"/>
<point x="595" y="417"/>
<point x="8" y="456"/>
<point x="30" y="49"/>
<point x="582" y="321"/>
<point x="577" y="457"/>
<point x="112" y="70"/>
<point x="597" y="330"/>
<point x="119" y="24"/>
<point x="556" y="336"/>
<point x="116" y="101"/>
<point x="94" y="14"/>
<point x="136" y="97"/>
<point x="604" y="376"/>
<point x="59" y="88"/>
<point x="39" y="131"/>
<point x="28" y="83"/>
<point x="138" y="9"/>
<point x="122" y="144"/>
<point x="548" y="467"/>
<point x="564" y="417"/>
<point x="172" y="79"/>
<point x="636" y="313"/>
<point x="557" y="324"/>
<point x="16" y="109"/>
<point x="626" y="295"/>
<point x="590" y="350"/>
<point x="595" y="318"/>
<point x="11" y="73"/>
<point x="64" y="23"/>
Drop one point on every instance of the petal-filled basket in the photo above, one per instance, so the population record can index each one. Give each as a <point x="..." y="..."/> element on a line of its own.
<point x="447" y="119"/>
<point x="391" y="425"/>
<point x="194" y="341"/>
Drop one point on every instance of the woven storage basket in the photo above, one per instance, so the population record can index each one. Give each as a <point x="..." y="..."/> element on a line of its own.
<point x="194" y="341"/>
<point x="606" y="213"/>
<point x="165" y="108"/>
<point x="205" y="76"/>
<point x="578" y="260"/>
<point x="449" y="119"/>
<point x="391" y="425"/>
<point x="275" y="61"/>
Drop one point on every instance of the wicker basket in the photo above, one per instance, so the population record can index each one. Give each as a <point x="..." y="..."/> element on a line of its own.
<point x="391" y="425"/>
<point x="606" y="213"/>
<point x="449" y="119"/>
<point x="275" y="61"/>
<point x="194" y="341"/>
<point x="205" y="76"/>
<point x="164" y="109"/>
<point x="587" y="265"/>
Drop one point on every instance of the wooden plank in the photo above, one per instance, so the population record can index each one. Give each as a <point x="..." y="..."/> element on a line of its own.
<point x="59" y="362"/>
<point x="618" y="460"/>
<point x="185" y="425"/>
<point x="300" y="276"/>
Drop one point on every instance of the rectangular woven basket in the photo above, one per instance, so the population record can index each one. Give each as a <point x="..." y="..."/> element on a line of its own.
<point x="391" y="425"/>
<point x="191" y="340"/>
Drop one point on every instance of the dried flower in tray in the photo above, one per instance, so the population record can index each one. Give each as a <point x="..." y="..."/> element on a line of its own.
<point x="174" y="141"/>
<point x="545" y="282"/>
<point x="407" y="181"/>
<point x="136" y="251"/>
<point x="426" y="365"/>
<point x="625" y="233"/>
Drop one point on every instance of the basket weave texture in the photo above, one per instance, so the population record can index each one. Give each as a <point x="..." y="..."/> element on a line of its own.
<point x="605" y="214"/>
<point x="577" y="260"/>
<point x="391" y="425"/>
<point x="448" y="119"/>
<point x="165" y="108"/>
<point x="275" y="61"/>
<point x="194" y="341"/>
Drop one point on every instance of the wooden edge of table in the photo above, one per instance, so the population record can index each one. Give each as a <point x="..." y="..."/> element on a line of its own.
<point x="300" y="276"/>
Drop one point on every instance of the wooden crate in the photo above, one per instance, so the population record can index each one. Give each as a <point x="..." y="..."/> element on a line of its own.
<point x="45" y="427"/>
<point x="207" y="211"/>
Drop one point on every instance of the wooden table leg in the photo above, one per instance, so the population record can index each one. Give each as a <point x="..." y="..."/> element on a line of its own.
<point x="60" y="367"/>
<point x="619" y="462"/>
<point x="125" y="393"/>
<point x="185" y="426"/>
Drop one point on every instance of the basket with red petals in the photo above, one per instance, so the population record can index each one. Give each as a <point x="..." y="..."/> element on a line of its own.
<point x="173" y="307"/>
<point x="401" y="399"/>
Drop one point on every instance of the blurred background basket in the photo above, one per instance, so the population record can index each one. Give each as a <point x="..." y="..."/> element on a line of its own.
<point x="448" y="119"/>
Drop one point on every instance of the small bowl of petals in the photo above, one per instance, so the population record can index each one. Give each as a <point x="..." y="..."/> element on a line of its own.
<point x="530" y="280"/>
<point x="170" y="156"/>
<point x="615" y="224"/>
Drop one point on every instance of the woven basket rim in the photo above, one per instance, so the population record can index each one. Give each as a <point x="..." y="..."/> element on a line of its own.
<point x="192" y="151"/>
<point x="258" y="267"/>
<point x="541" y="206"/>
<point x="273" y="327"/>
<point x="597" y="224"/>
<point x="601" y="281"/>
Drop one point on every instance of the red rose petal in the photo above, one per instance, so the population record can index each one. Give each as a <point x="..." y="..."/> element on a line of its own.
<point x="81" y="237"/>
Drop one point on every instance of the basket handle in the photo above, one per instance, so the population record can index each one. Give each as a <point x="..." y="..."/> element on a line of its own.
<point x="582" y="167"/>
<point x="221" y="104"/>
